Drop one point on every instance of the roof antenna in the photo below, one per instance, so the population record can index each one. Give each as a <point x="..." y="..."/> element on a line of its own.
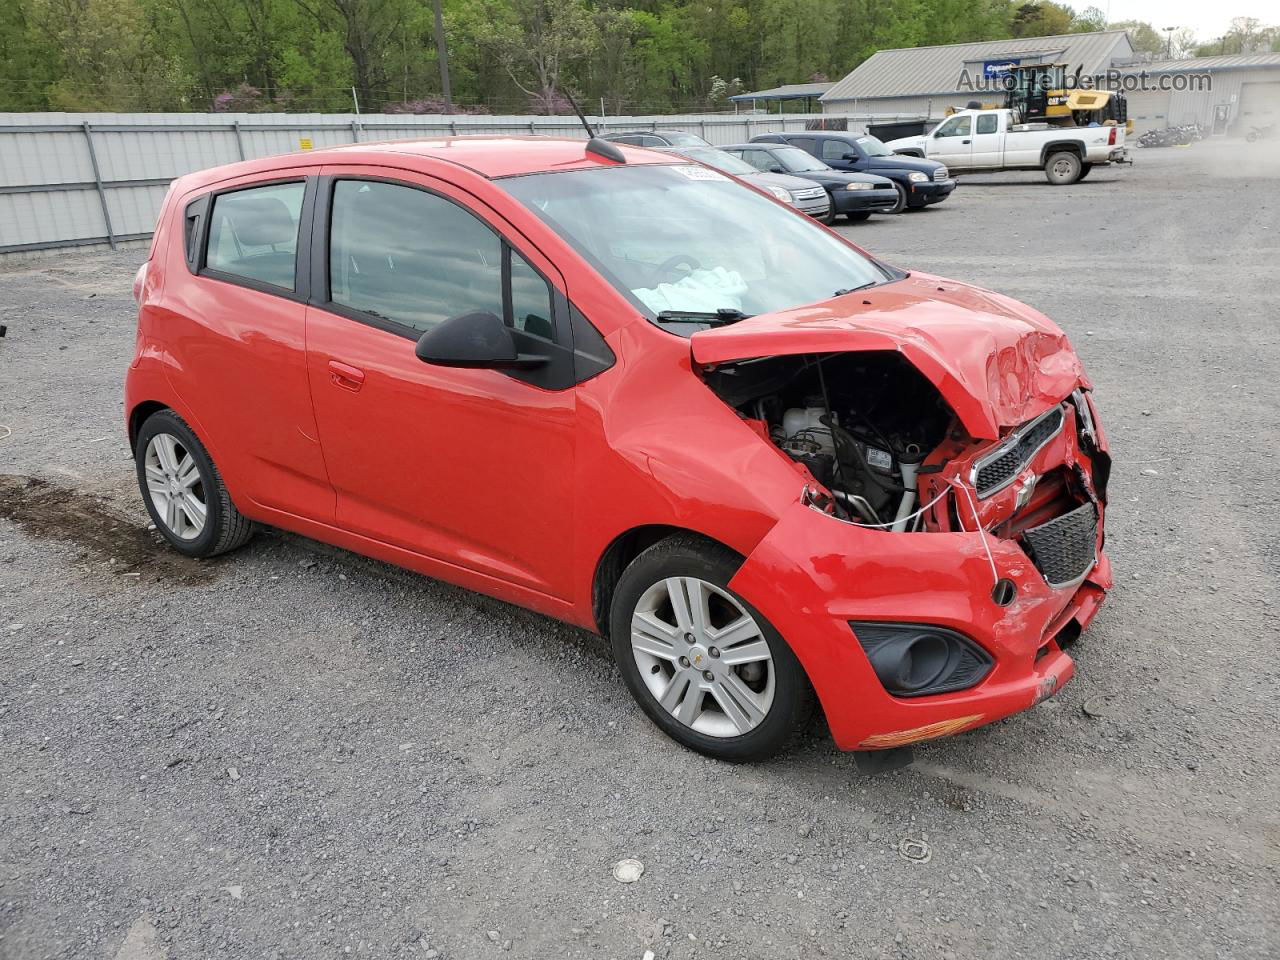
<point x="601" y="148"/>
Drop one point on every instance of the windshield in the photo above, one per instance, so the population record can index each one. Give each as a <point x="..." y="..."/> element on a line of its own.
<point x="684" y="239"/>
<point x="797" y="161"/>
<point x="873" y="147"/>
<point x="722" y="161"/>
<point x="684" y="140"/>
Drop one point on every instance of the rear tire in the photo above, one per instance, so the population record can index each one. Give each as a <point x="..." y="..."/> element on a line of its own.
<point x="745" y="699"/>
<point x="858" y="216"/>
<point x="1062" y="169"/>
<point x="183" y="491"/>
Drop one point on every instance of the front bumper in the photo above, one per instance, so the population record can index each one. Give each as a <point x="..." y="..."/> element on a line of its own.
<point x="1119" y="155"/>
<point x="932" y="191"/>
<point x="817" y="207"/>
<point x="855" y="201"/>
<point x="814" y="574"/>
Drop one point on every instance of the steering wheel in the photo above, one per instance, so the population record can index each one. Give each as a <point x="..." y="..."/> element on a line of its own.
<point x="668" y="265"/>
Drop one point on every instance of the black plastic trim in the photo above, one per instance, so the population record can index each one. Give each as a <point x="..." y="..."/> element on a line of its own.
<point x="873" y="634"/>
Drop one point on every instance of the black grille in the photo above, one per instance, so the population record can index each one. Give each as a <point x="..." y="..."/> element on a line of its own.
<point x="993" y="474"/>
<point x="1064" y="548"/>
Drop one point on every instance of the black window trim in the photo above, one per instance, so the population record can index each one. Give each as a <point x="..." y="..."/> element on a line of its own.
<point x="319" y="248"/>
<point x="302" y="251"/>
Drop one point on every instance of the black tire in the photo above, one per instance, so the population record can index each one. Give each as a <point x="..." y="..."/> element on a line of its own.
<point x="830" y="216"/>
<point x="793" y="699"/>
<point x="1084" y="171"/>
<point x="1062" y="168"/>
<point x="225" y="528"/>
<point x="858" y="216"/>
<point x="902" y="199"/>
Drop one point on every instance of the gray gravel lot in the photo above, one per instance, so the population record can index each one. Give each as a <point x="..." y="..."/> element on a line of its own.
<point x="295" y="752"/>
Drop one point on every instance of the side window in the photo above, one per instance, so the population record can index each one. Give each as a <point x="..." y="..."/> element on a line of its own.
<point x="253" y="233"/>
<point x="531" y="309"/>
<point x="651" y="141"/>
<point x="835" y="149"/>
<point x="988" y="123"/>
<point x="955" y="127"/>
<point x="629" y="140"/>
<point x="807" y="144"/>
<point x="760" y="159"/>
<point x="402" y="254"/>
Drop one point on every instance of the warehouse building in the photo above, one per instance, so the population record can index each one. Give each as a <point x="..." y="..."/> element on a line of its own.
<point x="1226" y="95"/>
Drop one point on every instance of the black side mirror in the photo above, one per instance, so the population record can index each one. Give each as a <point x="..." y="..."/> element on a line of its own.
<point x="474" y="340"/>
<point x="776" y="168"/>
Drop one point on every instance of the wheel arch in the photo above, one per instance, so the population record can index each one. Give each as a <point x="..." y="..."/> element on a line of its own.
<point x="138" y="416"/>
<point x="1061" y="146"/>
<point x="621" y="551"/>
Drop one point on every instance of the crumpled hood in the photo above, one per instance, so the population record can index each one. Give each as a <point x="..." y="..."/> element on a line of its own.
<point x="996" y="361"/>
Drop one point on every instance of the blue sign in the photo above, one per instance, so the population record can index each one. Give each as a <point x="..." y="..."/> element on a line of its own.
<point x="991" y="69"/>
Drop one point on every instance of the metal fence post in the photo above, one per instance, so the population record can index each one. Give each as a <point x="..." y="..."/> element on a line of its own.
<point x="97" y="179"/>
<point x="239" y="139"/>
<point x="355" y="130"/>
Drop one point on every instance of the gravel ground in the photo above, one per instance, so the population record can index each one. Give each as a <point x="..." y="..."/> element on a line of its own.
<point x="292" y="751"/>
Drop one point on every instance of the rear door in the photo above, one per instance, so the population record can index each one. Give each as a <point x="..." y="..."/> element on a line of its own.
<point x="988" y="141"/>
<point x="235" y="338"/>
<point x="471" y="467"/>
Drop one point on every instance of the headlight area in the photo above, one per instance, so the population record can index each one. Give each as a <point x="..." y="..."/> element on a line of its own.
<point x="859" y="186"/>
<point x="917" y="177"/>
<point x="781" y="194"/>
<point x="918" y="660"/>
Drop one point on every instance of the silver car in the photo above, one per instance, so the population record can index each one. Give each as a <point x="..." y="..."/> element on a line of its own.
<point x="805" y="195"/>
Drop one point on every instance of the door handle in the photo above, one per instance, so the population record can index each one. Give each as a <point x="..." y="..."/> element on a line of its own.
<point x="346" y="376"/>
<point x="964" y="141"/>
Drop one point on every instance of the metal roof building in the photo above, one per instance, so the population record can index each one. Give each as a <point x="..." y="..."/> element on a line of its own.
<point x="927" y="80"/>
<point x="1225" y="95"/>
<point x="788" y="91"/>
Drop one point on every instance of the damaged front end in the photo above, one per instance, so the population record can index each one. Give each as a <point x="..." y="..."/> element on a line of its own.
<point x="949" y="557"/>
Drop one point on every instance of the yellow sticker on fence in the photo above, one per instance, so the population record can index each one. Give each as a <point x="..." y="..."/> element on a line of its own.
<point x="304" y="143"/>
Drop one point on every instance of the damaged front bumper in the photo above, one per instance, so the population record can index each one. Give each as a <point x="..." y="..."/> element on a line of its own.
<point x="982" y="570"/>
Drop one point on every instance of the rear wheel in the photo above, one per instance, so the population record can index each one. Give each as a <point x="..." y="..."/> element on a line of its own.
<point x="1062" y="169"/>
<point x="183" y="490"/>
<point x="706" y="667"/>
<point x="858" y="216"/>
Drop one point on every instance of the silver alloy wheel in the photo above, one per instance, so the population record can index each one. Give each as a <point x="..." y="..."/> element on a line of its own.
<point x="703" y="657"/>
<point x="175" y="487"/>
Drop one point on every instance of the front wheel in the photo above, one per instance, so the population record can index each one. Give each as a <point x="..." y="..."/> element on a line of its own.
<point x="829" y="217"/>
<point x="902" y="199"/>
<point x="1062" y="169"/>
<point x="183" y="490"/>
<point x="708" y="669"/>
<point x="858" y="216"/>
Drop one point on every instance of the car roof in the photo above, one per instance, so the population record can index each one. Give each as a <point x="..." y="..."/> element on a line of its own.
<point x="488" y="156"/>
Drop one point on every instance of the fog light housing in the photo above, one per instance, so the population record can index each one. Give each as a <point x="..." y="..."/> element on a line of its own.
<point x="918" y="659"/>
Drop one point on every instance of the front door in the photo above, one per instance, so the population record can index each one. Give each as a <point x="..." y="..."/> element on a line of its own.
<point x="471" y="467"/>
<point x="833" y="153"/>
<point x="953" y="142"/>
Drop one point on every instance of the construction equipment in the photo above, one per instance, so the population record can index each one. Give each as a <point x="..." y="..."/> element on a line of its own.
<point x="1040" y="92"/>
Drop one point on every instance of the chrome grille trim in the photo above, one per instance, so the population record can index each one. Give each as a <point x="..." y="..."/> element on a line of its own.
<point x="994" y="471"/>
<point x="940" y="173"/>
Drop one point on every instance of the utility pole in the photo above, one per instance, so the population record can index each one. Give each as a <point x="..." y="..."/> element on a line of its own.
<point x="442" y="54"/>
<point x="1168" y="44"/>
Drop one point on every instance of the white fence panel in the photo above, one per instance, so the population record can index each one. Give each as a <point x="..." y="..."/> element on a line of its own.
<point x="79" y="179"/>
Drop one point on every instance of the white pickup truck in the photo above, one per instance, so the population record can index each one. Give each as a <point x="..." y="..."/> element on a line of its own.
<point x="988" y="140"/>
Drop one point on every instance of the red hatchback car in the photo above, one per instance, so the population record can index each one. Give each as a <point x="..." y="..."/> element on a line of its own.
<point x="630" y="392"/>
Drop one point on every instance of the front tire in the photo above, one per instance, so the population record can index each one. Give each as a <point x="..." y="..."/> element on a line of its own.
<point x="183" y="491"/>
<point x="1062" y="169"/>
<point x="902" y="199"/>
<point x="706" y="667"/>
<point x="858" y="216"/>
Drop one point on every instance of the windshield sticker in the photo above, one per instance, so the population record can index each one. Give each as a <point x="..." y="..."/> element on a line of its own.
<point x="700" y="173"/>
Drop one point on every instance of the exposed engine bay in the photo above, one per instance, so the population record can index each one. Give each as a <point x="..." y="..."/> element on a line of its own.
<point x="861" y="423"/>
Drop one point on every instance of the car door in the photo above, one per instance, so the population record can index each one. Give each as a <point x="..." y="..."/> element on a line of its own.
<point x="760" y="158"/>
<point x="952" y="142"/>
<point x="987" y="148"/>
<point x="833" y="153"/>
<point x="236" y="340"/>
<point x="470" y="467"/>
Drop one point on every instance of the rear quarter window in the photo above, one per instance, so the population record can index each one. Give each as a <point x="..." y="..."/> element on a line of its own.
<point x="253" y="233"/>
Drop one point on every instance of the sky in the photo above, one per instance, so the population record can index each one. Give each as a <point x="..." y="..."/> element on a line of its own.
<point x="1207" y="19"/>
